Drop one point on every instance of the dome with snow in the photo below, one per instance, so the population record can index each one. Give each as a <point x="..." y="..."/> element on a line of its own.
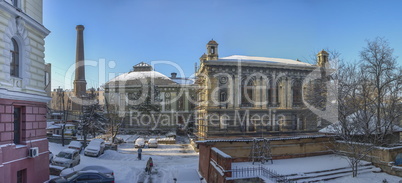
<point x="141" y="74"/>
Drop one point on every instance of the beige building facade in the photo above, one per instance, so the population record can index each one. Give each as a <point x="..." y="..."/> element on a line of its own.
<point x="246" y="95"/>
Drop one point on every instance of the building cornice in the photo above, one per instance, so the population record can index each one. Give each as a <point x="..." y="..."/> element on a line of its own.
<point x="18" y="13"/>
<point x="259" y="64"/>
<point x="16" y="95"/>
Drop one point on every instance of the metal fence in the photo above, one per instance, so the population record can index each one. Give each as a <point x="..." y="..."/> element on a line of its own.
<point x="250" y="172"/>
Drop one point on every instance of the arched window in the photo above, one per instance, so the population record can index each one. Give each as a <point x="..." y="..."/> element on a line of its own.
<point x="269" y="92"/>
<point x="247" y="92"/>
<point x="278" y="88"/>
<point x="297" y="93"/>
<point x="223" y="96"/>
<point x="15" y="59"/>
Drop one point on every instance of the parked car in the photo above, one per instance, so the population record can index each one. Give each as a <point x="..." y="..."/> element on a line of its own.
<point x="140" y="142"/>
<point x="102" y="143"/>
<point x="152" y="143"/>
<point x="67" y="158"/>
<point x="75" y="145"/>
<point x="100" y="169"/>
<point x="50" y="157"/>
<point x="95" y="148"/>
<point x="84" y="176"/>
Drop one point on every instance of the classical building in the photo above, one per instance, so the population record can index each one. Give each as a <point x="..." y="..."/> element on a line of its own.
<point x="24" y="154"/>
<point x="247" y="95"/>
<point x="149" y="100"/>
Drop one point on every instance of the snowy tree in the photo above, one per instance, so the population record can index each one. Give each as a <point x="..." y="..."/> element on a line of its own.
<point x="93" y="120"/>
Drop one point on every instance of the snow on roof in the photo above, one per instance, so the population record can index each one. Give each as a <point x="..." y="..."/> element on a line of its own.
<point x="221" y="152"/>
<point x="55" y="126"/>
<point x="281" y="61"/>
<point x="136" y="78"/>
<point x="261" y="139"/>
<point x="184" y="81"/>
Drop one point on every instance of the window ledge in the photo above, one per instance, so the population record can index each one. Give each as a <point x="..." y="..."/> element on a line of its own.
<point x="20" y="146"/>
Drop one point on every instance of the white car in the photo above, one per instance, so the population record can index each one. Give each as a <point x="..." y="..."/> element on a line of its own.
<point x="75" y="145"/>
<point x="152" y="143"/>
<point x="67" y="158"/>
<point x="140" y="142"/>
<point x="95" y="148"/>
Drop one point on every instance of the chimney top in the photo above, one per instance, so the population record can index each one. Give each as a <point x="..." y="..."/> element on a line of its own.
<point x="80" y="27"/>
<point x="173" y="74"/>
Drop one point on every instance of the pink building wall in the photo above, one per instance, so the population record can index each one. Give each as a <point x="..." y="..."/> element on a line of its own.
<point x="33" y="134"/>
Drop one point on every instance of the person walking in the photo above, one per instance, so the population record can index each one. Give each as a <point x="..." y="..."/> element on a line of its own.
<point x="150" y="164"/>
<point x="139" y="153"/>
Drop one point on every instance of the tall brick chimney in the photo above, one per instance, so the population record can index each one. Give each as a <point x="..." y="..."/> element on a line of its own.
<point x="80" y="84"/>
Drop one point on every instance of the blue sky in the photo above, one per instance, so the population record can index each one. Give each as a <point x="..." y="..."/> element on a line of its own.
<point x="126" y="32"/>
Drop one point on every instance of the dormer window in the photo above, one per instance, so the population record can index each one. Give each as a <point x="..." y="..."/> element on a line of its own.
<point x="15" y="59"/>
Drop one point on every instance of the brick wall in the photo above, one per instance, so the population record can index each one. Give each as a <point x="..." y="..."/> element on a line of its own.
<point x="33" y="125"/>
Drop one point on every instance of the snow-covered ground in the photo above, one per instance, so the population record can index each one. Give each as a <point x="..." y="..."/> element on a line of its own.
<point x="170" y="161"/>
<point x="319" y="163"/>
<point x="181" y="162"/>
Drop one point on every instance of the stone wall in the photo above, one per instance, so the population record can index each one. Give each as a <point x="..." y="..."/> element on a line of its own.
<point x="239" y="150"/>
<point x="280" y="148"/>
<point x="382" y="157"/>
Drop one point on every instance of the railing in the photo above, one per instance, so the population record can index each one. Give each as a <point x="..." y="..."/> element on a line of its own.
<point x="246" y="105"/>
<point x="250" y="172"/>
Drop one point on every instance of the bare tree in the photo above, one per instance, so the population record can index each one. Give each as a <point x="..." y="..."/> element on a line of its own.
<point x="368" y="103"/>
<point x="383" y="76"/>
<point x="115" y="116"/>
<point x="93" y="120"/>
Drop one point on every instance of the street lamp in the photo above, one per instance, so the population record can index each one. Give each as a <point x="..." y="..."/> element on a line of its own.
<point x="174" y="179"/>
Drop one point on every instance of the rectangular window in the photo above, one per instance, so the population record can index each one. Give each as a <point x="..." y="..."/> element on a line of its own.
<point x="17" y="125"/>
<point x="21" y="176"/>
<point x="47" y="78"/>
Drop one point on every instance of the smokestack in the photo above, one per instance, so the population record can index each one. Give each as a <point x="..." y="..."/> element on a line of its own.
<point x="80" y="83"/>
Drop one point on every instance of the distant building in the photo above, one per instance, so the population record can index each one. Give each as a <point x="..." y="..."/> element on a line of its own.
<point x="248" y="95"/>
<point x="24" y="154"/>
<point x="172" y="96"/>
<point x="72" y="110"/>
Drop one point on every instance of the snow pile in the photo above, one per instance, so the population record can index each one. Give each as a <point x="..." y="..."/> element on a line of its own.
<point x="221" y="152"/>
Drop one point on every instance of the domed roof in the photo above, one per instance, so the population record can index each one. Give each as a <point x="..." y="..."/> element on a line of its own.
<point x="140" y="77"/>
<point x="323" y="52"/>
<point x="212" y="42"/>
<point x="203" y="56"/>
